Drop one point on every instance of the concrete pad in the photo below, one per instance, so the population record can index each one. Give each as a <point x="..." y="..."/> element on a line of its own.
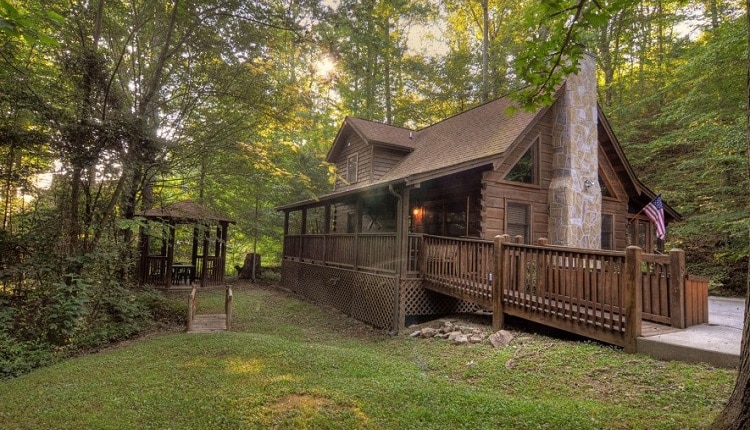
<point x="717" y="342"/>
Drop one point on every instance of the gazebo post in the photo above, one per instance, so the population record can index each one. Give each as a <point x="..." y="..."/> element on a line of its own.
<point x="143" y="270"/>
<point x="204" y="257"/>
<point x="170" y="255"/>
<point x="224" y="241"/>
<point x="194" y="254"/>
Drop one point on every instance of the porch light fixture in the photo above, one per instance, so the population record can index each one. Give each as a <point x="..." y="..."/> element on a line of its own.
<point x="587" y="183"/>
<point x="417" y="211"/>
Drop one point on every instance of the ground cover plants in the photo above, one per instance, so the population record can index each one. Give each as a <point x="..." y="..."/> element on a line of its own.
<point x="290" y="364"/>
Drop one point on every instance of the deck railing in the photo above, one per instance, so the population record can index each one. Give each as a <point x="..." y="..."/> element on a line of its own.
<point x="368" y="252"/>
<point x="459" y="267"/>
<point x="593" y="293"/>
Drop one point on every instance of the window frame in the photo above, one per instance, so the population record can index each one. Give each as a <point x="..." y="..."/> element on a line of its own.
<point x="352" y="178"/>
<point x="535" y="168"/>
<point x="527" y="225"/>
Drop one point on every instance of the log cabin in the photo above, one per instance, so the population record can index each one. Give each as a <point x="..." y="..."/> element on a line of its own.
<point x="558" y="174"/>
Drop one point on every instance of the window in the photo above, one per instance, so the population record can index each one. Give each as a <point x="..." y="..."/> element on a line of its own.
<point x="603" y="186"/>
<point x="517" y="221"/>
<point x="525" y="169"/>
<point x="607" y="231"/>
<point x="351" y="169"/>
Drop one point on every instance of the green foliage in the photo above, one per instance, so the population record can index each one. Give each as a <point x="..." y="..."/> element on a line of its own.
<point x="19" y="357"/>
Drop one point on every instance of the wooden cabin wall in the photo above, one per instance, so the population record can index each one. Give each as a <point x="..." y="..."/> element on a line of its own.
<point x="497" y="192"/>
<point x="363" y="151"/>
<point x="616" y="204"/>
<point x="383" y="160"/>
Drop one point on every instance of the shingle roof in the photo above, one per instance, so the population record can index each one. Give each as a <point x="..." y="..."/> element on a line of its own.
<point x="484" y="131"/>
<point x="376" y="132"/>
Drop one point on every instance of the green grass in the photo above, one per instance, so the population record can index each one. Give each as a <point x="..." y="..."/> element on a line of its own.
<point x="288" y="364"/>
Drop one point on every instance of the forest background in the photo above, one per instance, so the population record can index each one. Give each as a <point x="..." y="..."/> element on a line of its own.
<point x="112" y="107"/>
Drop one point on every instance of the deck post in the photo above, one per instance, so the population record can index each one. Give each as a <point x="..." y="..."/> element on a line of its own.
<point x="677" y="287"/>
<point x="498" y="320"/>
<point x="632" y="298"/>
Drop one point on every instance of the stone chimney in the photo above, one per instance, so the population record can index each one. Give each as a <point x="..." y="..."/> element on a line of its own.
<point x="574" y="194"/>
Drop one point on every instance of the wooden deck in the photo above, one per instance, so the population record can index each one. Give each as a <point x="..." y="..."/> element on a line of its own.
<point x="608" y="296"/>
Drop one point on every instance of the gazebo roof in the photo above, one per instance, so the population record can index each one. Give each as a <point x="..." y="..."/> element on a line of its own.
<point x="185" y="211"/>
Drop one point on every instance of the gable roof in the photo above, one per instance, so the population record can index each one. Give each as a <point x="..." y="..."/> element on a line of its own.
<point x="473" y="138"/>
<point x="464" y="140"/>
<point x="374" y="133"/>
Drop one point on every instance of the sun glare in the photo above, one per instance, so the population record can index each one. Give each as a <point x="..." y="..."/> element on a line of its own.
<point x="325" y="66"/>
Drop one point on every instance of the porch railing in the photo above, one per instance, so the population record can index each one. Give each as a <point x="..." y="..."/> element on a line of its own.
<point x="369" y="252"/>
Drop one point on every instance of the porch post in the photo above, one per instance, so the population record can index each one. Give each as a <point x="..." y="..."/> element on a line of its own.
<point x="632" y="299"/>
<point x="498" y="319"/>
<point x="402" y="234"/>
<point x="326" y="230"/>
<point x="302" y="232"/>
<point x="677" y="287"/>
<point x="357" y="230"/>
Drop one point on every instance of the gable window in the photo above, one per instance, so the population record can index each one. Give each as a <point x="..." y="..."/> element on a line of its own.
<point x="517" y="221"/>
<point x="603" y="186"/>
<point x="525" y="169"/>
<point x="351" y="169"/>
<point x="607" y="231"/>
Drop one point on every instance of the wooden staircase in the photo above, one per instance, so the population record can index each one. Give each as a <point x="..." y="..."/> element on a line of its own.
<point x="209" y="323"/>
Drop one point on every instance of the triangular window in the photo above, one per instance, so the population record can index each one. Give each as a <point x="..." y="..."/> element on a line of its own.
<point x="525" y="169"/>
<point x="604" y="186"/>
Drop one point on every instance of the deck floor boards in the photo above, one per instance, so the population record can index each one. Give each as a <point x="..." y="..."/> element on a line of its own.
<point x="208" y="323"/>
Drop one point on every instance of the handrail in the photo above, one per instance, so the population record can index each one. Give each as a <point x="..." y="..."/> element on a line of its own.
<point x="192" y="305"/>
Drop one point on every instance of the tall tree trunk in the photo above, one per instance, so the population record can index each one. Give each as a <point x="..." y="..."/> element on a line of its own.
<point x="736" y="413"/>
<point x="485" y="93"/>
<point x="387" y="71"/>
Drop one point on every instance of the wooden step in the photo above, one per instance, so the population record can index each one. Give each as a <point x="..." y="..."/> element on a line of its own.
<point x="208" y="323"/>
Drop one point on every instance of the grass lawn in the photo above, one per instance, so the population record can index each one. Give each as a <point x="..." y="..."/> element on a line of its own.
<point x="288" y="364"/>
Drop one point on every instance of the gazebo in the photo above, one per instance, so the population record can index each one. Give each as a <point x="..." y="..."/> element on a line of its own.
<point x="157" y="244"/>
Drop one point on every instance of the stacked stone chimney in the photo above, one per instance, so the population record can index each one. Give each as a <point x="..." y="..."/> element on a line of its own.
<point x="574" y="195"/>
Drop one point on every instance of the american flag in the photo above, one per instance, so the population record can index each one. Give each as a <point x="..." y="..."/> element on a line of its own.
<point x="655" y="212"/>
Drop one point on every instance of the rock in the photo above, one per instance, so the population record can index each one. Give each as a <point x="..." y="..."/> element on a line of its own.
<point x="500" y="338"/>
<point x="461" y="339"/>
<point x="416" y="334"/>
<point x="429" y="332"/>
<point x="453" y="335"/>
<point x="476" y="338"/>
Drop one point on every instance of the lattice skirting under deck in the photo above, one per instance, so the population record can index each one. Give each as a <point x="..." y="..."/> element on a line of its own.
<point x="416" y="300"/>
<point x="368" y="297"/>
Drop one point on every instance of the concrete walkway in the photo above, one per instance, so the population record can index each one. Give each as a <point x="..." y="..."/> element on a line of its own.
<point x="717" y="342"/>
